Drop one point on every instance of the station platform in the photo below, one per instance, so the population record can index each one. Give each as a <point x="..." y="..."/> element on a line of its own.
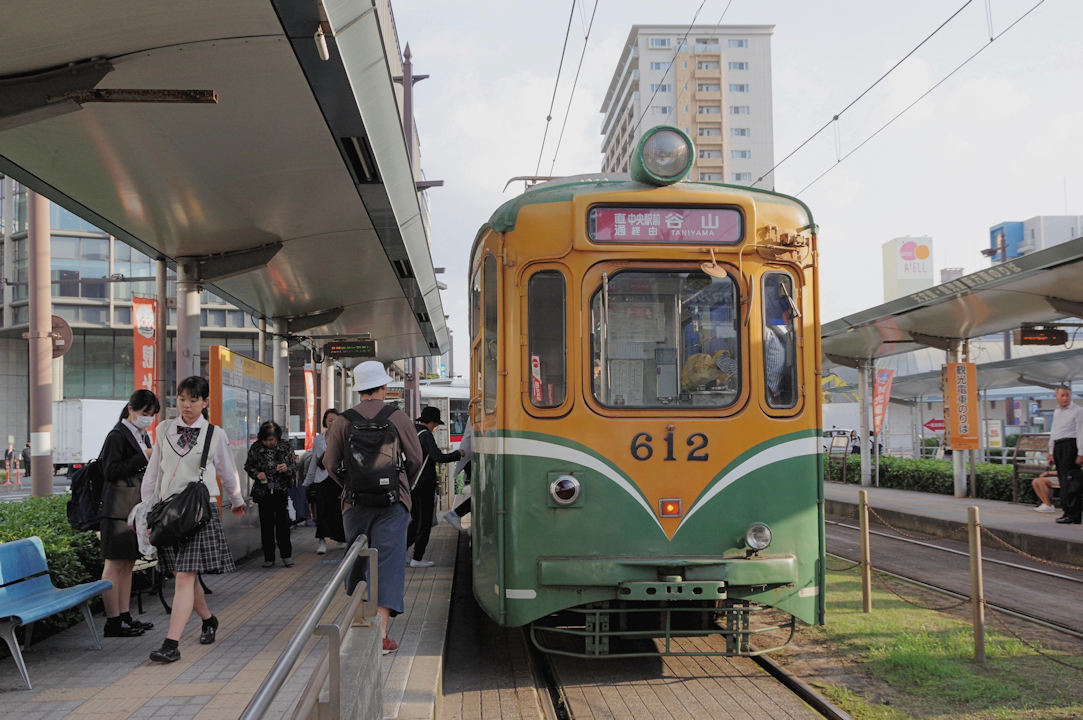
<point x="259" y="610"/>
<point x="932" y="514"/>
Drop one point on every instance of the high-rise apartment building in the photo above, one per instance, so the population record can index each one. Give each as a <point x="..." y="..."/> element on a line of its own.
<point x="714" y="82"/>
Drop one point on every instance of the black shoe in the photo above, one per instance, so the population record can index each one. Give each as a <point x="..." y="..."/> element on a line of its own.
<point x="209" y="628"/>
<point x="123" y="630"/>
<point x="165" y="654"/>
<point x="1068" y="520"/>
<point x="139" y="624"/>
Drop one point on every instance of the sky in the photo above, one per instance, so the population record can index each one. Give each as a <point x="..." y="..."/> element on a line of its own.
<point x="1000" y="139"/>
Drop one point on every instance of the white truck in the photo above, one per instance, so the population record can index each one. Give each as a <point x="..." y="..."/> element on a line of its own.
<point x="79" y="429"/>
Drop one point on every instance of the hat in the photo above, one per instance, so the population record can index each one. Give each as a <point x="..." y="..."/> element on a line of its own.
<point x="370" y="374"/>
<point x="430" y="414"/>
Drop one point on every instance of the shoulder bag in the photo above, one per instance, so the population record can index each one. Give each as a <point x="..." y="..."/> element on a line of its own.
<point x="181" y="516"/>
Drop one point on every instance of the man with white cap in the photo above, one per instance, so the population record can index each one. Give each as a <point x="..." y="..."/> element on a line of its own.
<point x="384" y="526"/>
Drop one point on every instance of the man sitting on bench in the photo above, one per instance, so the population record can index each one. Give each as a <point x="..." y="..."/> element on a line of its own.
<point x="1043" y="487"/>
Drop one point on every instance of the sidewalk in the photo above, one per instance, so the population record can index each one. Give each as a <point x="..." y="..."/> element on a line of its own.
<point x="1017" y="524"/>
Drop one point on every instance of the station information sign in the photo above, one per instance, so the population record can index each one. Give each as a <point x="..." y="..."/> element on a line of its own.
<point x="350" y="349"/>
<point x="676" y="225"/>
<point x="1040" y="336"/>
<point x="960" y="385"/>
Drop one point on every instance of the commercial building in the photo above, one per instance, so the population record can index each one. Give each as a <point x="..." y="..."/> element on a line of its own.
<point x="1014" y="239"/>
<point x="907" y="265"/>
<point x="714" y="82"/>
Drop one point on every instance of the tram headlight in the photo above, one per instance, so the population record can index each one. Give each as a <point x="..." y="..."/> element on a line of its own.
<point x="564" y="490"/>
<point x="758" y="536"/>
<point x="663" y="157"/>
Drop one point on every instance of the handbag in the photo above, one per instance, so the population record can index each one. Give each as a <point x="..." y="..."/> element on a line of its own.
<point x="259" y="491"/>
<point x="181" y="516"/>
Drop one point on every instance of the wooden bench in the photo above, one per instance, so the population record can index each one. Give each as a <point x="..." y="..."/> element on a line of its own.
<point x="27" y="594"/>
<point x="1024" y="461"/>
<point x="837" y="452"/>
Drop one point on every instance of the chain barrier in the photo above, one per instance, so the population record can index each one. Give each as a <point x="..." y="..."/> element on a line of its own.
<point x="1004" y="626"/>
<point x="961" y="530"/>
<point x="853" y="565"/>
<point x="886" y="586"/>
<point x="1024" y="553"/>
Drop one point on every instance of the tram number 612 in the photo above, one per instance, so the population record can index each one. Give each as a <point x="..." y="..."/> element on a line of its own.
<point x="643" y="450"/>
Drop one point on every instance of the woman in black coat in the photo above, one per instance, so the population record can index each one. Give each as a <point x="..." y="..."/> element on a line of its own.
<point x="124" y="458"/>
<point x="270" y="464"/>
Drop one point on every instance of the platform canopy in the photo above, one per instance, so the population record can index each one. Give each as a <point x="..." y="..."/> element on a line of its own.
<point x="215" y="132"/>
<point x="1039" y="287"/>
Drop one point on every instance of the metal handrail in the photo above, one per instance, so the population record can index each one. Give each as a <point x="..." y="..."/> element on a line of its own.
<point x="275" y="679"/>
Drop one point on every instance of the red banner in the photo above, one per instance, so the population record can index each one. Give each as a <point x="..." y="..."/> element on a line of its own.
<point x="881" y="395"/>
<point x="310" y="408"/>
<point x="144" y="329"/>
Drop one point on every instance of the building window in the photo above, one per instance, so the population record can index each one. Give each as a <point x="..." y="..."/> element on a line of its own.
<point x="740" y="154"/>
<point x="131" y="263"/>
<point x="779" y="342"/>
<point x="79" y="266"/>
<point x="740" y="132"/>
<point x="738" y="87"/>
<point x="742" y="177"/>
<point x="709" y="132"/>
<point x="742" y="43"/>
<point x="122" y="315"/>
<point x="659" y="43"/>
<point x="707" y="46"/>
<point x="22" y="211"/>
<point x="707" y="65"/>
<point x="738" y="66"/>
<point x="659" y="65"/>
<point x="709" y="87"/>
<point x="709" y="110"/>
<point x="710" y="177"/>
<point x="739" y="109"/>
<point x="546" y="341"/>
<point x="661" y="87"/>
<point x="664" y="109"/>
<point x="710" y="154"/>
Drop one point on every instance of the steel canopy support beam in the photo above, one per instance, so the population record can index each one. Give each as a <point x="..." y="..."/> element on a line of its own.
<point x="37" y="96"/>
<point x="211" y="268"/>
<point x="843" y="360"/>
<point x="935" y="341"/>
<point x="1068" y="307"/>
<point x="301" y="323"/>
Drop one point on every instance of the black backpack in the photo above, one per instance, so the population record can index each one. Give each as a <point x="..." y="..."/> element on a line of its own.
<point x="85" y="506"/>
<point x="371" y="459"/>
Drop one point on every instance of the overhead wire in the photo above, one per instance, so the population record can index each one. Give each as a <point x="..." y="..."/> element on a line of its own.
<point x="556" y="84"/>
<point x="922" y="96"/>
<point x="863" y="93"/>
<point x="575" y="81"/>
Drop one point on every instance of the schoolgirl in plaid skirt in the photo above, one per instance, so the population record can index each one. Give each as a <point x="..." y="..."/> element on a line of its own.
<point x="172" y="465"/>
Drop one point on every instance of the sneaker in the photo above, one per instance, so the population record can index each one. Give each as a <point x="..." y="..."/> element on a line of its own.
<point x="321" y="549"/>
<point x="421" y="563"/>
<point x="1043" y="508"/>
<point x="288" y="562"/>
<point x="453" y="519"/>
<point x="389" y="647"/>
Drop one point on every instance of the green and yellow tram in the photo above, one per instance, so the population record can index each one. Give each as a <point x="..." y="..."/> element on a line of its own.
<point x="645" y="406"/>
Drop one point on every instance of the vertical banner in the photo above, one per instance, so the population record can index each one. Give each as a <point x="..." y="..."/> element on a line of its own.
<point x="961" y="405"/>
<point x="535" y="381"/>
<point x="144" y="326"/>
<point x="881" y="395"/>
<point x="310" y="407"/>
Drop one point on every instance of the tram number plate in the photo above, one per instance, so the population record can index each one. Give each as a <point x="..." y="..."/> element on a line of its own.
<point x="643" y="447"/>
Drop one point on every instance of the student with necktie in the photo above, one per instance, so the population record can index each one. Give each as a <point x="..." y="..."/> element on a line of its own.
<point x="173" y="464"/>
<point x="124" y="458"/>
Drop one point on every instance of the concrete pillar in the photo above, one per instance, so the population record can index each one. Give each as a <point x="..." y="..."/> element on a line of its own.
<point x="261" y="341"/>
<point x="161" y="333"/>
<point x="187" y="319"/>
<point x="863" y="376"/>
<point x="40" y="372"/>
<point x="327" y="389"/>
<point x="281" y="365"/>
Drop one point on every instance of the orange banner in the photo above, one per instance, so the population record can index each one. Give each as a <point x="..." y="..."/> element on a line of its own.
<point x="310" y="408"/>
<point x="881" y="395"/>
<point x="144" y="328"/>
<point x="960" y="381"/>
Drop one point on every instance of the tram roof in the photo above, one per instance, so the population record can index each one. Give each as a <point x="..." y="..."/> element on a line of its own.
<point x="1039" y="287"/>
<point x="294" y="188"/>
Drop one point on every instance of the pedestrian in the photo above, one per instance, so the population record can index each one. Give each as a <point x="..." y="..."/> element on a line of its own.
<point x="454" y="517"/>
<point x="383" y="525"/>
<point x="328" y="505"/>
<point x="270" y="465"/>
<point x="173" y="464"/>
<point x="124" y="457"/>
<point x="1065" y="446"/>
<point x="26" y="458"/>
<point x="423" y="495"/>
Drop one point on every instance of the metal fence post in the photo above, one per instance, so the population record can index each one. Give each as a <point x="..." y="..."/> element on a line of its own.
<point x="977" y="587"/>
<point x="866" y="564"/>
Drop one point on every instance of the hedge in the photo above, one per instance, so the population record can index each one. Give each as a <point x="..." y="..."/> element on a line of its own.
<point x="936" y="476"/>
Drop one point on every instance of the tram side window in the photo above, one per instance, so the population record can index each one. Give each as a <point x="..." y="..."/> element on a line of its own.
<point x="489" y="349"/>
<point x="665" y="339"/>
<point x="779" y="341"/>
<point x="547" y="344"/>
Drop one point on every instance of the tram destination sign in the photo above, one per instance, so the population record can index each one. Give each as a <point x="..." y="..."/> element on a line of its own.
<point x="350" y="349"/>
<point x="675" y="225"/>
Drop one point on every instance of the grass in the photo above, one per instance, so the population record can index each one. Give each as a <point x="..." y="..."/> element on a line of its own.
<point x="908" y="662"/>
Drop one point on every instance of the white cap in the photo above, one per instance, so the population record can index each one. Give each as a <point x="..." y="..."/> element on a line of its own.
<point x="370" y="374"/>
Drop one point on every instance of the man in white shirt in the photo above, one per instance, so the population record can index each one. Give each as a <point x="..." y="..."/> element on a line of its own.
<point x="1065" y="445"/>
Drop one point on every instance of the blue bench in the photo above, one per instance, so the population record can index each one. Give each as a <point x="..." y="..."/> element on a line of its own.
<point x="27" y="594"/>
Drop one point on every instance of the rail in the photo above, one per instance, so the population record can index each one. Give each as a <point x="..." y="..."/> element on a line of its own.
<point x="310" y="627"/>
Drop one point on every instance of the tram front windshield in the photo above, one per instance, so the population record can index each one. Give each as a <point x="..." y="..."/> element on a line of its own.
<point x="665" y="339"/>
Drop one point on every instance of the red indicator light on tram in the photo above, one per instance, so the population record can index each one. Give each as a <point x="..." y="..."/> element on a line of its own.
<point x="669" y="507"/>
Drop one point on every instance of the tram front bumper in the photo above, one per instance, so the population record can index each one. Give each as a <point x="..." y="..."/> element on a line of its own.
<point x="638" y="574"/>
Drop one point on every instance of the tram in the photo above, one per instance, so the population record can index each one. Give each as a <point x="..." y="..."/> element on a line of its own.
<point x="644" y="401"/>
<point x="450" y="395"/>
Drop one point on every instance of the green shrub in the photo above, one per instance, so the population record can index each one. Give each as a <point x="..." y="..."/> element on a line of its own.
<point x="936" y="476"/>
<point x="73" y="557"/>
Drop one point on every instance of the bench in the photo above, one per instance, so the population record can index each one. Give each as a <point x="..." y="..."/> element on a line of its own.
<point x="837" y="451"/>
<point x="27" y="594"/>
<point x="1024" y="461"/>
